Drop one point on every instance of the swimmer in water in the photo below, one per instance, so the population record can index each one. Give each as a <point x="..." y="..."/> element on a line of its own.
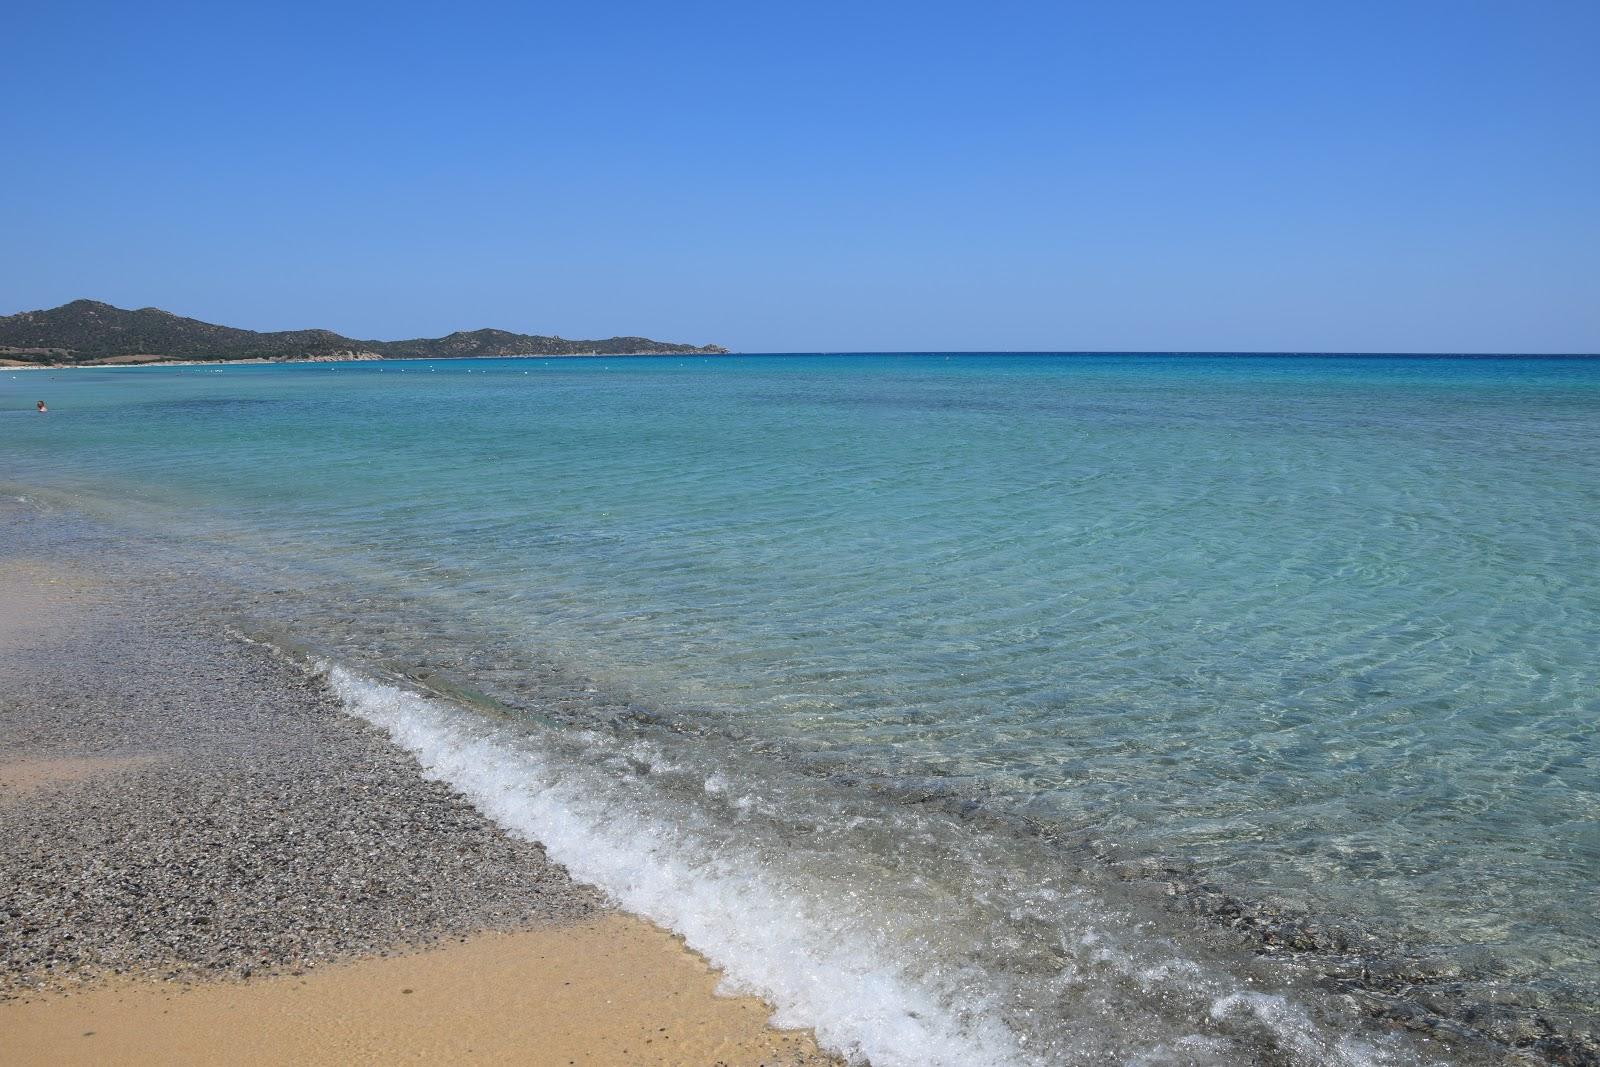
<point x="40" y="406"/>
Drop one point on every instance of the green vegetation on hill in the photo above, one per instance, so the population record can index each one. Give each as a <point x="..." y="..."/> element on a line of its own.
<point x="87" y="331"/>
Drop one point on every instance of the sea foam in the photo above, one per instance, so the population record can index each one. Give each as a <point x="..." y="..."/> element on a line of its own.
<point x="766" y="940"/>
<point x="851" y="958"/>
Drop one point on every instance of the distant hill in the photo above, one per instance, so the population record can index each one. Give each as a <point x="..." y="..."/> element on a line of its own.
<point x="87" y="331"/>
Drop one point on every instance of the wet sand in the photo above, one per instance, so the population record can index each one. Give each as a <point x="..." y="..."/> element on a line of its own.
<point x="204" y="859"/>
<point x="22" y="777"/>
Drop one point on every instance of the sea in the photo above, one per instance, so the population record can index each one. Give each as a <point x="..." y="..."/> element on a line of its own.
<point x="973" y="709"/>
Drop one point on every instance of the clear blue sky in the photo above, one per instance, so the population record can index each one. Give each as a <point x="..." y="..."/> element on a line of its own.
<point x="803" y="176"/>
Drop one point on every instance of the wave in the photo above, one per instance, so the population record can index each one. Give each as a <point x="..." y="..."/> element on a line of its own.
<point x="892" y="940"/>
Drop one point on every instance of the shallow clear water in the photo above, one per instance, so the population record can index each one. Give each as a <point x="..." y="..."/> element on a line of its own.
<point x="1311" y="640"/>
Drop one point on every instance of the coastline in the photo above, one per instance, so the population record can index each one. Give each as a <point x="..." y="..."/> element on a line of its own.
<point x="367" y="357"/>
<point x="198" y="841"/>
<point x="160" y="361"/>
<point x="1387" y="987"/>
<point x="116" y="362"/>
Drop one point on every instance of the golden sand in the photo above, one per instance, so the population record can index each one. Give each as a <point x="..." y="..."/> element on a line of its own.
<point x="613" y="990"/>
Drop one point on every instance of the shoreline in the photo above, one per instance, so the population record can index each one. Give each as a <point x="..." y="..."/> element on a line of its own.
<point x="157" y="361"/>
<point x="120" y="362"/>
<point x="198" y="841"/>
<point x="1381" y="999"/>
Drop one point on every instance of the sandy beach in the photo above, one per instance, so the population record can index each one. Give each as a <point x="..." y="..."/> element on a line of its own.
<point x="205" y="859"/>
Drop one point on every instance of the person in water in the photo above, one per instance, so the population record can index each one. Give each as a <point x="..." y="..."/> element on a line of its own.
<point x="41" y="407"/>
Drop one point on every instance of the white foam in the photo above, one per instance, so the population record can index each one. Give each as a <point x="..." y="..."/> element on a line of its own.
<point x="837" y="958"/>
<point x="1294" y="1030"/>
<point x="768" y="941"/>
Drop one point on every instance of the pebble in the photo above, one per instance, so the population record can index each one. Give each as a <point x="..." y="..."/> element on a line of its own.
<point x="271" y="832"/>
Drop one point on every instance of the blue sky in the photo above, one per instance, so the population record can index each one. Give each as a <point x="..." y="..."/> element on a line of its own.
<point x="820" y="176"/>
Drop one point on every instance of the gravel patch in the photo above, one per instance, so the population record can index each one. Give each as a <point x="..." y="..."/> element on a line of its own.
<point x="263" y="830"/>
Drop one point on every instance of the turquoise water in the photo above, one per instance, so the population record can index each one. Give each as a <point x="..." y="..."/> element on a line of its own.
<point x="1309" y="642"/>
